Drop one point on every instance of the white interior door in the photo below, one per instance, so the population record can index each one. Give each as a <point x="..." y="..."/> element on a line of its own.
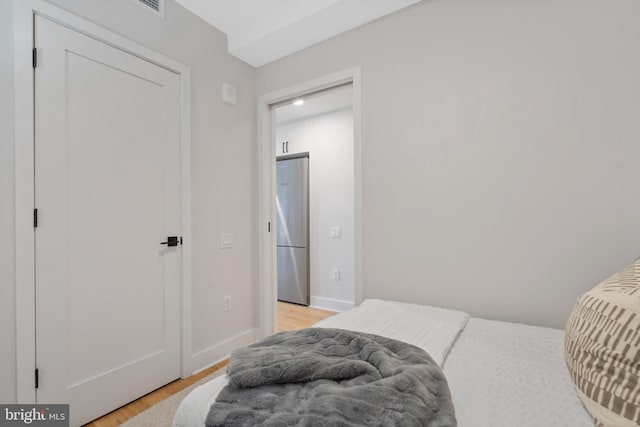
<point x="107" y="185"/>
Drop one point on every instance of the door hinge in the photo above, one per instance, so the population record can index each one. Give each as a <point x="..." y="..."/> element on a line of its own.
<point x="35" y="218"/>
<point x="37" y="378"/>
<point x="34" y="57"/>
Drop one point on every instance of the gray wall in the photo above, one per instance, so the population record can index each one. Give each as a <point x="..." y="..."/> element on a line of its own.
<point x="500" y="149"/>
<point x="7" y="288"/>
<point x="223" y="177"/>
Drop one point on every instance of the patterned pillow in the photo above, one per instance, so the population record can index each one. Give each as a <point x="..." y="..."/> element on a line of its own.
<point x="602" y="349"/>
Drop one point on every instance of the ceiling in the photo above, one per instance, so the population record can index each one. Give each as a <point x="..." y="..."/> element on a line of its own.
<point x="314" y="104"/>
<point x="261" y="31"/>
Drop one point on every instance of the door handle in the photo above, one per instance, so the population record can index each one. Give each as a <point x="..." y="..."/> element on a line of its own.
<point x="283" y="148"/>
<point x="287" y="146"/>
<point x="171" y="241"/>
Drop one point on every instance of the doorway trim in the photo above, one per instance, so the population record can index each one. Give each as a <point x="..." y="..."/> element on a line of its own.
<point x="24" y="12"/>
<point x="267" y="290"/>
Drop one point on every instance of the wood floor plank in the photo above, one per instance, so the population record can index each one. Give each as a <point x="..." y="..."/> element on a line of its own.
<point x="290" y="317"/>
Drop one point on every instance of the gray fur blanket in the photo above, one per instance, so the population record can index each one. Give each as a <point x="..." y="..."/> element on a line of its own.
<point x="332" y="377"/>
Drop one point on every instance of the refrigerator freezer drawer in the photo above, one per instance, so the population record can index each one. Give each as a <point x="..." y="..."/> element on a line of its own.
<point x="293" y="275"/>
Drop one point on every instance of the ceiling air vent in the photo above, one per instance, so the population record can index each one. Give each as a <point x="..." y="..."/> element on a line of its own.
<point x="155" y="5"/>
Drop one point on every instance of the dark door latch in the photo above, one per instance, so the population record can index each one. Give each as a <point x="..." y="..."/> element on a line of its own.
<point x="171" y="241"/>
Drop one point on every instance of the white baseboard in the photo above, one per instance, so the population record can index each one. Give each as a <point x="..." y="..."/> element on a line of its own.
<point x="331" y="304"/>
<point x="216" y="353"/>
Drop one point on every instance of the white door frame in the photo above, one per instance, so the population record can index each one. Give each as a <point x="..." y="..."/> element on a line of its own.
<point x="24" y="11"/>
<point x="267" y="288"/>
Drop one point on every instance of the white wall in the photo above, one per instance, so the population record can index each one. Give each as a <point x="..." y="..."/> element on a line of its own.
<point x="331" y="188"/>
<point x="223" y="171"/>
<point x="7" y="270"/>
<point x="500" y="148"/>
<point x="332" y="183"/>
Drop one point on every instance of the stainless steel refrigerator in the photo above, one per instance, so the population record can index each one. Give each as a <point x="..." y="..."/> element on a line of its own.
<point x="292" y="206"/>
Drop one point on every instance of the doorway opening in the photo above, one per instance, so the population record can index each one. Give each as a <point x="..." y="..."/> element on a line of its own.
<point x="317" y="123"/>
<point x="315" y="199"/>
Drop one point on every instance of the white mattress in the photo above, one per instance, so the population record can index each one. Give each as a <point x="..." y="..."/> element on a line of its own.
<point x="506" y="374"/>
<point x="500" y="374"/>
<point x="194" y="408"/>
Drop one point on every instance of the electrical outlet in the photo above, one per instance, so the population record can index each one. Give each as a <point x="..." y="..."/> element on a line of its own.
<point x="227" y="303"/>
<point x="336" y="232"/>
<point x="335" y="274"/>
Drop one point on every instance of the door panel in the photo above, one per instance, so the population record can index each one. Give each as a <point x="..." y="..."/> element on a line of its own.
<point x="282" y="133"/>
<point x="300" y="135"/>
<point x="108" y="192"/>
<point x="293" y="275"/>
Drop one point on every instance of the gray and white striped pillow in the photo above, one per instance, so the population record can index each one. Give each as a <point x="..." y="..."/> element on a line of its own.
<point x="602" y="349"/>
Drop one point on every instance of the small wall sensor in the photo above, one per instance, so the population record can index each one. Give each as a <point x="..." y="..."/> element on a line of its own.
<point x="229" y="94"/>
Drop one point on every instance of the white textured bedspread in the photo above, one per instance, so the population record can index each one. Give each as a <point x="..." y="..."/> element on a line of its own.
<point x="506" y="374"/>
<point x="430" y="328"/>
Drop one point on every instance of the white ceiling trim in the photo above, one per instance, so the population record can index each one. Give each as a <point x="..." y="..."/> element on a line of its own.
<point x="262" y="31"/>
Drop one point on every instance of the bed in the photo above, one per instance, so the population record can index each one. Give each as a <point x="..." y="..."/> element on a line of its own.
<point x="499" y="373"/>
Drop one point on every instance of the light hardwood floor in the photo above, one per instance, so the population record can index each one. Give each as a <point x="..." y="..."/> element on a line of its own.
<point x="290" y="317"/>
<point x="293" y="316"/>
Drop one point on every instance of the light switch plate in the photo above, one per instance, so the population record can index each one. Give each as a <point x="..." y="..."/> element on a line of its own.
<point x="336" y="232"/>
<point x="226" y="240"/>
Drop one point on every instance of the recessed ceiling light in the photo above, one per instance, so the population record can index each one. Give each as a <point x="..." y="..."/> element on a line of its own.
<point x="298" y="102"/>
